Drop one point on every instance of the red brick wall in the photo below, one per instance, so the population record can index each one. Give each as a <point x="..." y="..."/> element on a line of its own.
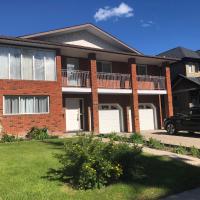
<point x="20" y="124"/>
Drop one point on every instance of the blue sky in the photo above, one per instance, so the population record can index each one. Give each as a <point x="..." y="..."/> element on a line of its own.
<point x="151" y="26"/>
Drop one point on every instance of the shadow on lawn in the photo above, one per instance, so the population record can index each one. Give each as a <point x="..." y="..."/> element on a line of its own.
<point x="158" y="172"/>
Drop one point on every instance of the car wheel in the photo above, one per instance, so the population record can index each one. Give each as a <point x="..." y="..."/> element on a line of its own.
<point x="171" y="129"/>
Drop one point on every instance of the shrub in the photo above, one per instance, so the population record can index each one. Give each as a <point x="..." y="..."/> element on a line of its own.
<point x="38" y="133"/>
<point x="180" y="150"/>
<point x="136" y="138"/>
<point x="8" y="138"/>
<point x="194" y="151"/>
<point x="153" y="143"/>
<point x="90" y="163"/>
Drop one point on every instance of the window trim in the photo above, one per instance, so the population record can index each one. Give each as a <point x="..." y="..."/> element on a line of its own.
<point x="19" y="97"/>
<point x="33" y="65"/>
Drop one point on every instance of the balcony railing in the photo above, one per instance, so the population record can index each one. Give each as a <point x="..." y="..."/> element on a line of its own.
<point x="113" y="80"/>
<point x="78" y="78"/>
<point x="151" y="82"/>
<point x="75" y="78"/>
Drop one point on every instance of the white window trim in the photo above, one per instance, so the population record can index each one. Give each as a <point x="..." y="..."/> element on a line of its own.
<point x="11" y="114"/>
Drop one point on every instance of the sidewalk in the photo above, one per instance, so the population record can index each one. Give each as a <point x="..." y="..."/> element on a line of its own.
<point x="188" y="195"/>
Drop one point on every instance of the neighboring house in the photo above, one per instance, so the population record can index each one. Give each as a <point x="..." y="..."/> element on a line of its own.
<point x="185" y="75"/>
<point x="81" y="78"/>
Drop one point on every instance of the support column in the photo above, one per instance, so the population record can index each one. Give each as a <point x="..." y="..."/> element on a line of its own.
<point x="168" y="99"/>
<point x="160" y="110"/>
<point x="134" y="96"/>
<point x="94" y="93"/>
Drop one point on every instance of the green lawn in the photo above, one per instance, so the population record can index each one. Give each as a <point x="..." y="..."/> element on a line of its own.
<point x="24" y="167"/>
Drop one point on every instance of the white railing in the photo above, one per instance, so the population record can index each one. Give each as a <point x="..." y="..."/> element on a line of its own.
<point x="75" y="78"/>
<point x="151" y="82"/>
<point x="113" y="80"/>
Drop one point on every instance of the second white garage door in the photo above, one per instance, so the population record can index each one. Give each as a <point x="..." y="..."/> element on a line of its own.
<point x="147" y="117"/>
<point x="109" y="119"/>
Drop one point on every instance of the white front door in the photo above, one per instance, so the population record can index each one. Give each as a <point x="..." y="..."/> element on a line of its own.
<point x="109" y="119"/>
<point x="73" y="114"/>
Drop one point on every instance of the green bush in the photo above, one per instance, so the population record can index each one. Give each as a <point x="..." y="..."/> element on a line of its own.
<point x="38" y="133"/>
<point x="136" y="138"/>
<point x="156" y="144"/>
<point x="8" y="138"/>
<point x="180" y="150"/>
<point x="90" y="163"/>
<point x="195" y="152"/>
<point x="114" y="136"/>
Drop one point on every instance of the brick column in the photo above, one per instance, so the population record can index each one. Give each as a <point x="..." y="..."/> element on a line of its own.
<point x="168" y="99"/>
<point x="94" y="94"/>
<point x="134" y="96"/>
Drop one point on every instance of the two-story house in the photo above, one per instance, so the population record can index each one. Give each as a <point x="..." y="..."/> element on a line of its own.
<point x="185" y="76"/>
<point x="81" y="79"/>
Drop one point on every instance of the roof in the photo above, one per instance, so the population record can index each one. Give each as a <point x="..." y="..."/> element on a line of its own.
<point x="54" y="45"/>
<point x="89" y="27"/>
<point x="181" y="52"/>
<point x="195" y="80"/>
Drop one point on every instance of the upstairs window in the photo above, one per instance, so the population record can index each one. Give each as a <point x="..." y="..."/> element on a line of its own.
<point x="142" y="70"/>
<point x="103" y="66"/>
<point x="72" y="64"/>
<point x="27" y="64"/>
<point x="192" y="68"/>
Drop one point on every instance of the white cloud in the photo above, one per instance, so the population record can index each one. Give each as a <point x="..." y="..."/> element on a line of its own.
<point x="146" y="24"/>
<point x="123" y="10"/>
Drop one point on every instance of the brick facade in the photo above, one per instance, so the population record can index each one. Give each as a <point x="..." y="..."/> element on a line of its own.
<point x="168" y="99"/>
<point x="94" y="94"/>
<point x="134" y="96"/>
<point x="20" y="124"/>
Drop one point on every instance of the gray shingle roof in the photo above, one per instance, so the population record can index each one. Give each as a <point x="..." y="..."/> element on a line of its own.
<point x="193" y="79"/>
<point x="180" y="52"/>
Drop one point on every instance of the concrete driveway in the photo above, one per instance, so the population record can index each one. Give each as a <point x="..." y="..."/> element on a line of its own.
<point x="182" y="138"/>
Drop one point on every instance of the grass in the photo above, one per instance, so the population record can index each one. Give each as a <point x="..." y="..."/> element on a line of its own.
<point x="24" y="167"/>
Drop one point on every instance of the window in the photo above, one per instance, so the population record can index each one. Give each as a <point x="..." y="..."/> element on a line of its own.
<point x="27" y="64"/>
<point x="39" y="66"/>
<point x="192" y="68"/>
<point x="4" y="63"/>
<point x="26" y="104"/>
<point x="15" y="63"/>
<point x="104" y="67"/>
<point x="72" y="64"/>
<point x="141" y="69"/>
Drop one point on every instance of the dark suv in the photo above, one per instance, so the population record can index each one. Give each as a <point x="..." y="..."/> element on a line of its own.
<point x="183" y="122"/>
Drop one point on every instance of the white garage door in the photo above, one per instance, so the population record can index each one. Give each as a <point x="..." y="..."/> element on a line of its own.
<point x="146" y="117"/>
<point x="109" y="119"/>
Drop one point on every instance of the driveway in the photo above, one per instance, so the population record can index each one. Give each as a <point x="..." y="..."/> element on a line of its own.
<point x="182" y="138"/>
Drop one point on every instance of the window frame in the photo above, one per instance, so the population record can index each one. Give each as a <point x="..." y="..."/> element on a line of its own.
<point x="144" y="66"/>
<point x="35" y="50"/>
<point x="104" y="62"/>
<point x="19" y="106"/>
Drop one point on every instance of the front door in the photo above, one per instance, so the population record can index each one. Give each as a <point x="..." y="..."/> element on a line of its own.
<point x="74" y="114"/>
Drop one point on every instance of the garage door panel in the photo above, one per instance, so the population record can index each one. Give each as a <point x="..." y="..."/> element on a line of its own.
<point x="109" y="121"/>
<point x="146" y="117"/>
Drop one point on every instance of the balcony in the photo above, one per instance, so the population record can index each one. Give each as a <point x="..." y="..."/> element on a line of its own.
<point x="75" y="78"/>
<point x="151" y="82"/>
<point x="111" y="80"/>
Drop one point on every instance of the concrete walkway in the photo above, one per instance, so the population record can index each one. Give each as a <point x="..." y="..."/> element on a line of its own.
<point x="184" y="158"/>
<point x="184" y="139"/>
<point x="188" y="195"/>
